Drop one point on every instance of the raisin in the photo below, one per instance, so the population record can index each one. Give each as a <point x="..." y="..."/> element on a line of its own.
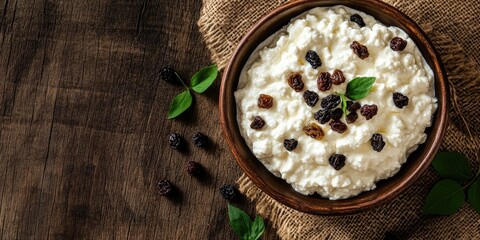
<point x="337" y="77"/>
<point x="400" y="100"/>
<point x="352" y="117"/>
<point x="310" y="97"/>
<point x="257" y="123"/>
<point x="360" y="50"/>
<point x="353" y="106"/>
<point x="337" y="114"/>
<point x="313" y="58"/>
<point x="323" y="116"/>
<point x="324" y="81"/>
<point x="338" y="126"/>
<point x="331" y="101"/>
<point x="228" y="191"/>
<point x="194" y="168"/>
<point x="265" y="101"/>
<point x="295" y="82"/>
<point x="314" y="131"/>
<point x="337" y="161"/>
<point x="357" y="19"/>
<point x="377" y="142"/>
<point x="290" y="144"/>
<point x="164" y="187"/>
<point x="176" y="141"/>
<point x="200" y="140"/>
<point x="167" y="74"/>
<point x="398" y="44"/>
<point x="369" y="111"/>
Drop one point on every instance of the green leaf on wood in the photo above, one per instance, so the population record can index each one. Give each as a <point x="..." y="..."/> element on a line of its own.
<point x="359" y="87"/>
<point x="202" y="80"/>
<point x="243" y="226"/>
<point x="258" y="227"/>
<point x="445" y="198"/>
<point x="452" y="165"/>
<point x="239" y="221"/>
<point x="474" y="195"/>
<point x="179" y="104"/>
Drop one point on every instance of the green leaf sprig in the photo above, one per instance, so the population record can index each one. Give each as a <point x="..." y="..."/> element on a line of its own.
<point x="448" y="195"/>
<point x="357" y="89"/>
<point x="199" y="83"/>
<point x="243" y="226"/>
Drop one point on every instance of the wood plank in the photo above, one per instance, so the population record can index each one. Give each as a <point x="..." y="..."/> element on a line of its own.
<point x="83" y="128"/>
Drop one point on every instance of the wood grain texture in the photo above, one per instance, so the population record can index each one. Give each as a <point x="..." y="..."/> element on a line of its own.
<point x="83" y="129"/>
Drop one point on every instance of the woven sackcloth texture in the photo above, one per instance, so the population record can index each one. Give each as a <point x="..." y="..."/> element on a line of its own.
<point x="454" y="29"/>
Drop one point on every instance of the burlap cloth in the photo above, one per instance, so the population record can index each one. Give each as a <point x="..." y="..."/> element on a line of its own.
<point x="454" y="28"/>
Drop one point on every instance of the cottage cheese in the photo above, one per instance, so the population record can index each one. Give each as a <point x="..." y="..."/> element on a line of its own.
<point x="329" y="32"/>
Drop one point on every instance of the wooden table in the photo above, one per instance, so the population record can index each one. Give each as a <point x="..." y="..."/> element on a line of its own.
<point x="83" y="128"/>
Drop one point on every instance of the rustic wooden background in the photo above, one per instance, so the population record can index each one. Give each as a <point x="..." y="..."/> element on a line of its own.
<point x="83" y="128"/>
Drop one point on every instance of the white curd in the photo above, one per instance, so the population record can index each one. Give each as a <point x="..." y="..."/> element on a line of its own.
<point x="329" y="32"/>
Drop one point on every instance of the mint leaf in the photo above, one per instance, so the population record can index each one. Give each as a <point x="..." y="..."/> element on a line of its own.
<point x="243" y="226"/>
<point x="359" y="87"/>
<point x="239" y="221"/>
<point x="474" y="195"/>
<point x="202" y="80"/>
<point x="445" y="198"/>
<point x="258" y="227"/>
<point x="452" y="165"/>
<point x="179" y="104"/>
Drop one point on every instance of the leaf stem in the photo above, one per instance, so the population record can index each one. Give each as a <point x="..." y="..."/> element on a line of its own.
<point x="179" y="78"/>
<point x="343" y="102"/>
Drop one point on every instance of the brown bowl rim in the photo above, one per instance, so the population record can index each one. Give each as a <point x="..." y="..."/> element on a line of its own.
<point x="438" y="127"/>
